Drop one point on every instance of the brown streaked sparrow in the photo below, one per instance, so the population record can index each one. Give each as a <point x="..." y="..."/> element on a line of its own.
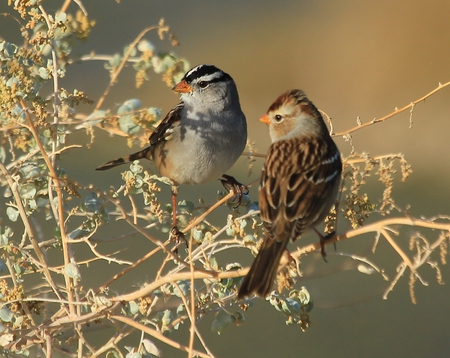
<point x="200" y="138"/>
<point x="299" y="183"/>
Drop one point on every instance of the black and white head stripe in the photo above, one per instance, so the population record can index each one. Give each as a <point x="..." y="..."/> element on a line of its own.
<point x="208" y="73"/>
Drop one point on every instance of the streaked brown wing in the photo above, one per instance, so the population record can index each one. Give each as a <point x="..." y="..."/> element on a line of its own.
<point x="298" y="179"/>
<point x="160" y="134"/>
<point x="164" y="128"/>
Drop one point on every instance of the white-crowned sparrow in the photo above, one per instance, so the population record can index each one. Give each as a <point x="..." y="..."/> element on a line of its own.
<point x="299" y="183"/>
<point x="201" y="137"/>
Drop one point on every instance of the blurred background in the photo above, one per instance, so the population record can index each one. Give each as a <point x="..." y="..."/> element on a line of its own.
<point x="353" y="59"/>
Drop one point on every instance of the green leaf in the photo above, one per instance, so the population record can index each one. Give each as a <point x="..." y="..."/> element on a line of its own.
<point x="92" y="204"/>
<point x="136" y="168"/>
<point x="218" y="327"/>
<point x="128" y="125"/>
<point x="12" y="213"/>
<point x="181" y="310"/>
<point x="43" y="73"/>
<point x="249" y="239"/>
<point x="155" y="113"/>
<point x="186" y="206"/>
<point x="27" y="191"/>
<point x="132" y="104"/>
<point x="291" y="306"/>
<point x="197" y="235"/>
<point x="145" y="46"/>
<point x="167" y="318"/>
<point x="151" y="348"/>
<point x="2" y="154"/>
<point x="134" y="355"/>
<point x="113" y="354"/>
<point x="242" y="223"/>
<point x="134" y="307"/>
<point x="60" y="17"/>
<point x="184" y="287"/>
<point x="91" y="121"/>
<point x="223" y="319"/>
<point x="5" y="314"/>
<point x="72" y="271"/>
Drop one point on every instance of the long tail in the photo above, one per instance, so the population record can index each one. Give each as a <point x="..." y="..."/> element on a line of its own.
<point x="144" y="153"/>
<point x="259" y="279"/>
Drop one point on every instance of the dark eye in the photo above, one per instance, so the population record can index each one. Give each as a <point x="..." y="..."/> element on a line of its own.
<point x="278" y="118"/>
<point x="203" y="84"/>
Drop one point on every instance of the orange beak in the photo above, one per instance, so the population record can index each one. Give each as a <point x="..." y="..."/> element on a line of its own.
<point x="265" y="119"/>
<point x="182" y="87"/>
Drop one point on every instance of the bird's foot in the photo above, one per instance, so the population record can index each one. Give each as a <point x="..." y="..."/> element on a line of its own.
<point x="324" y="239"/>
<point x="177" y="237"/>
<point x="239" y="190"/>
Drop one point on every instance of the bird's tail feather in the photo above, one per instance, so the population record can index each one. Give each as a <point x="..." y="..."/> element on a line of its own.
<point x="126" y="159"/>
<point x="259" y="279"/>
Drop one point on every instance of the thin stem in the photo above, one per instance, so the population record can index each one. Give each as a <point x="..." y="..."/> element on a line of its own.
<point x="119" y="69"/>
<point x="154" y="333"/>
<point x="23" y="215"/>
<point x="60" y="211"/>
<point x="397" y="111"/>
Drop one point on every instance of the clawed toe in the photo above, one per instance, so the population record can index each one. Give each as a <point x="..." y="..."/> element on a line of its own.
<point x="177" y="237"/>
<point x="323" y="239"/>
<point x="239" y="190"/>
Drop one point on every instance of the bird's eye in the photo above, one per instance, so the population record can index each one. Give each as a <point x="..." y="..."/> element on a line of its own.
<point x="203" y="84"/>
<point x="278" y="118"/>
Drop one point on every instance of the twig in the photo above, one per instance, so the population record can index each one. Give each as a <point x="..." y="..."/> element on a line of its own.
<point x="147" y="289"/>
<point x="192" y="318"/>
<point x="23" y="215"/>
<point x="365" y="261"/>
<point x="397" y="248"/>
<point x="191" y="314"/>
<point x="128" y="269"/>
<point x="154" y="333"/>
<point x="397" y="111"/>
<point x="212" y="208"/>
<point x="375" y="227"/>
<point x="60" y="211"/>
<point x="119" y="69"/>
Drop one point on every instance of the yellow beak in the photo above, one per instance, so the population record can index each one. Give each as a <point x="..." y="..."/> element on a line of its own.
<point x="265" y="119"/>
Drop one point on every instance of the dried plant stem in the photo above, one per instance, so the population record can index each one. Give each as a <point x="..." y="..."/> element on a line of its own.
<point x="192" y="318"/>
<point x="154" y="333"/>
<point x="397" y="248"/>
<point x="30" y="232"/>
<point x="147" y="289"/>
<point x="119" y="69"/>
<point x="59" y="212"/>
<point x="199" y="219"/>
<point x="394" y="113"/>
<point x="212" y="208"/>
<point x="191" y="313"/>
<point x="128" y="269"/>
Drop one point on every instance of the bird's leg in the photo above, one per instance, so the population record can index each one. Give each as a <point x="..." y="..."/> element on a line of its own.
<point x="323" y="239"/>
<point x="174" y="205"/>
<point x="175" y="234"/>
<point x="231" y="184"/>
